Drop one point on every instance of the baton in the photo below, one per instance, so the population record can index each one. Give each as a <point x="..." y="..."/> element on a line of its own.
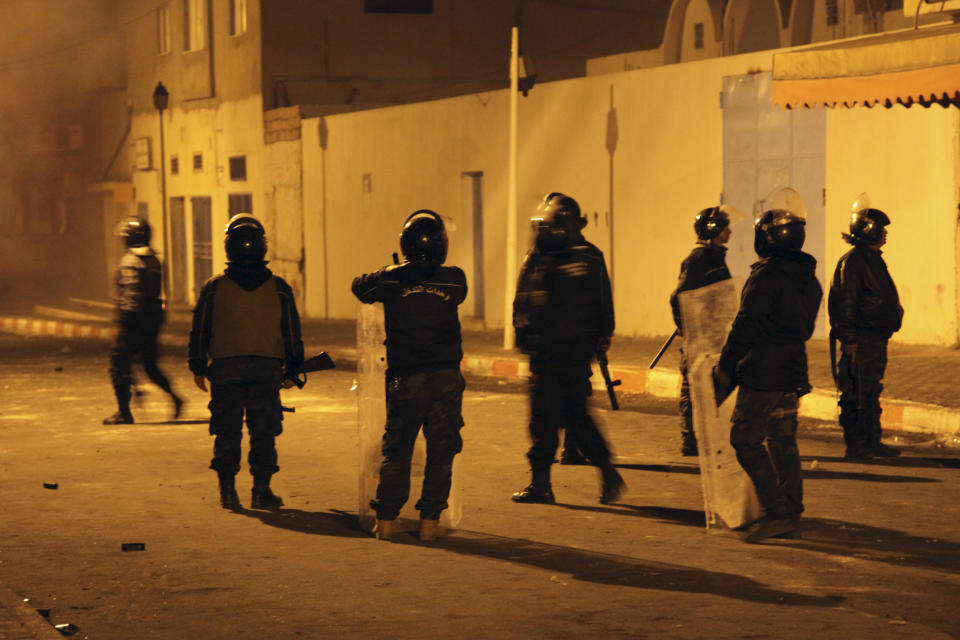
<point x="605" y="372"/>
<point x="663" y="349"/>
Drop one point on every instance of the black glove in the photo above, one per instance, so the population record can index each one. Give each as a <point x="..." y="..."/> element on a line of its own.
<point x="723" y="384"/>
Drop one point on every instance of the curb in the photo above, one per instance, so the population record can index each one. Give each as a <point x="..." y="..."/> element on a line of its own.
<point x="32" y="622"/>
<point x="820" y="404"/>
<point x="60" y="328"/>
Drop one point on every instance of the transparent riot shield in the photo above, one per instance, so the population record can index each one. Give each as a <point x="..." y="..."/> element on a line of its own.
<point x="371" y="417"/>
<point x="729" y="498"/>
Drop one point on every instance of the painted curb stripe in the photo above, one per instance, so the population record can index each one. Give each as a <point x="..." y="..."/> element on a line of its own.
<point x="820" y="404"/>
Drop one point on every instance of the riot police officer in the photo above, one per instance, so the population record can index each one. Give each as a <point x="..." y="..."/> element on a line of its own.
<point x="424" y="387"/>
<point x="563" y="313"/>
<point x="864" y="309"/>
<point x="705" y="265"/>
<point x="765" y="354"/>
<point x="246" y="341"/>
<point x="139" y="312"/>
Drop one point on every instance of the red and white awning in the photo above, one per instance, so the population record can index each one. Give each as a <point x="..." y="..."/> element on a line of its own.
<point x="920" y="66"/>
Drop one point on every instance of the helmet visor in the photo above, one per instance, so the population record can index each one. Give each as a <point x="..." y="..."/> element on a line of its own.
<point x="861" y="202"/>
<point x="786" y="200"/>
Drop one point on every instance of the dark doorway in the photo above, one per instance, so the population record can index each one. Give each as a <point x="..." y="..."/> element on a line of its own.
<point x="178" y="251"/>
<point x="202" y="247"/>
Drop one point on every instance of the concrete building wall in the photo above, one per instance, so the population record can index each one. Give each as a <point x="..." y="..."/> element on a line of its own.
<point x="338" y="57"/>
<point x="664" y="126"/>
<point x="906" y="160"/>
<point x="216" y="111"/>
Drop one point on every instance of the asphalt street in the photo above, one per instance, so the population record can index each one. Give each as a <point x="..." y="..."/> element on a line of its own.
<point x="879" y="557"/>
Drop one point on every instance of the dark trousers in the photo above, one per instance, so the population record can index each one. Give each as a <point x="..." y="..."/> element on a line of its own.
<point x="685" y="406"/>
<point x="860" y="387"/>
<point x="136" y="336"/>
<point x="558" y="396"/>
<point x="433" y="401"/>
<point x="769" y="418"/>
<point x="248" y="386"/>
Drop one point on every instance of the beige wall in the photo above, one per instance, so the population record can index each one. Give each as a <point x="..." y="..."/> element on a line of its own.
<point x="667" y="165"/>
<point x="906" y="160"/>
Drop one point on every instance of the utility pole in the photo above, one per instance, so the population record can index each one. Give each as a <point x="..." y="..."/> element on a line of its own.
<point x="511" y="247"/>
<point x="160" y="100"/>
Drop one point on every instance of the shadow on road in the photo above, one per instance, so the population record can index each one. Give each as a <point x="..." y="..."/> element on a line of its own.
<point x="877" y="544"/>
<point x="903" y="461"/>
<point x="808" y="474"/>
<point x="324" y="523"/>
<point x="661" y="468"/>
<point x="688" y="517"/>
<point x="603" y="568"/>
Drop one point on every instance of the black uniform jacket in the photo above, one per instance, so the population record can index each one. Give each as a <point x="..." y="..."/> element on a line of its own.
<point x="778" y="311"/>
<point x="249" y="277"/>
<point x="863" y="301"/>
<point x="705" y="265"/>
<point x="420" y="314"/>
<point x="563" y="305"/>
<point x="138" y="282"/>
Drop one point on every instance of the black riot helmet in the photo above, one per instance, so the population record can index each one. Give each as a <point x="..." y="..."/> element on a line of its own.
<point x="866" y="223"/>
<point x="782" y="223"/>
<point x="423" y="239"/>
<point x="710" y="222"/>
<point x="557" y="222"/>
<point x="135" y="232"/>
<point x="246" y="241"/>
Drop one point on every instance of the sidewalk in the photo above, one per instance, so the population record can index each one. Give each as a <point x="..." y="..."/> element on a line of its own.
<point x="19" y="621"/>
<point x="919" y="396"/>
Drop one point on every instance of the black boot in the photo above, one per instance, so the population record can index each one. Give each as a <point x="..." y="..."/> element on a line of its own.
<point x="538" y="491"/>
<point x="773" y="525"/>
<point x="120" y="417"/>
<point x="228" y="492"/>
<point x="261" y="497"/>
<point x="613" y="485"/>
<point x="882" y="450"/>
<point x="858" y="451"/>
<point x="177" y="405"/>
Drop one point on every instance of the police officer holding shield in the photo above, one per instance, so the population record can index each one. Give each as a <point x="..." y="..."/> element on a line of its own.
<point x="706" y="264"/>
<point x="424" y="385"/>
<point x="765" y="355"/>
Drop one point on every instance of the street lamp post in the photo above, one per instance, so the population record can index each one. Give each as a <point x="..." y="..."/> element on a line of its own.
<point x="160" y="100"/>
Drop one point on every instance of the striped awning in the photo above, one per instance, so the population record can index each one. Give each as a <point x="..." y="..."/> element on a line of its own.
<point x="917" y="66"/>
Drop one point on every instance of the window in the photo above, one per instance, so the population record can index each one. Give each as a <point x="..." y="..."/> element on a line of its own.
<point x="163" y="28"/>
<point x="238" y="17"/>
<point x="398" y="6"/>
<point x="174" y="165"/>
<point x="698" y="35"/>
<point x="239" y="203"/>
<point x="142" y="210"/>
<point x="833" y="16"/>
<point x="194" y="24"/>
<point x="198" y="162"/>
<point x="238" y="168"/>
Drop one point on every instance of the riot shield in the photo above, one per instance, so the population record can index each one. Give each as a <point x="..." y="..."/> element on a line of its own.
<point x="371" y="417"/>
<point x="729" y="498"/>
